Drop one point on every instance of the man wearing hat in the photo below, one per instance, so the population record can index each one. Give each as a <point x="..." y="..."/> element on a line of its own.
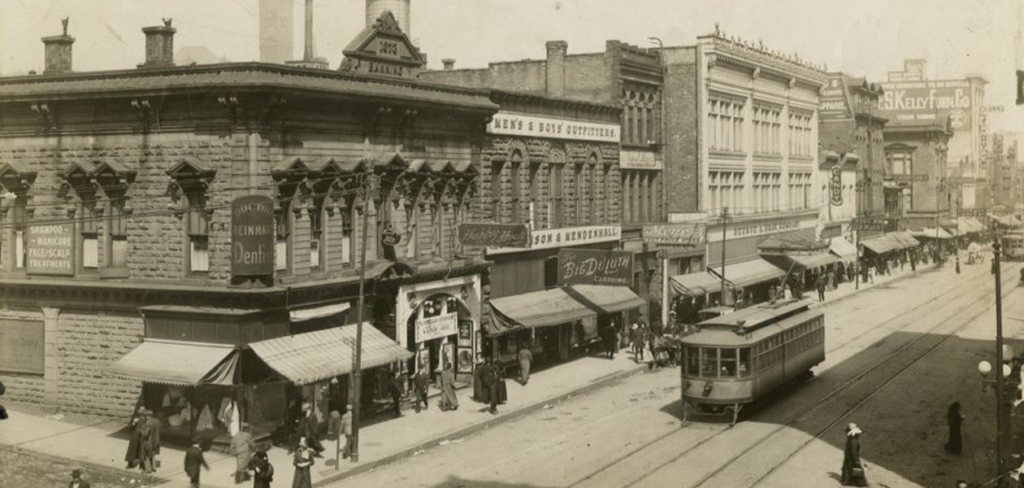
<point x="150" y="437"/>
<point x="242" y="446"/>
<point x="346" y="430"/>
<point x="193" y="460"/>
<point x="307" y="429"/>
<point x="77" y="481"/>
<point x="853" y="469"/>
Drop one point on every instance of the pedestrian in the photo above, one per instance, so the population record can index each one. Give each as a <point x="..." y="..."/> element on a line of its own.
<point x="302" y="461"/>
<point x="307" y="429"/>
<point x="954" y="419"/>
<point x="853" y="469"/>
<point x="617" y="337"/>
<point x="134" y="454"/>
<point x="525" y="360"/>
<point x="500" y="385"/>
<point x="346" y="430"/>
<point x="193" y="460"/>
<point x="77" y="481"/>
<point x="262" y="470"/>
<point x="609" y="340"/>
<point x="242" y="446"/>
<point x="820" y="285"/>
<point x="150" y="439"/>
<point x="421" y="383"/>
<point x="480" y="394"/>
<point x="638" y="342"/>
<point x="449" y="401"/>
<point x="491" y="381"/>
<point x="831" y="279"/>
<point x="396" y="393"/>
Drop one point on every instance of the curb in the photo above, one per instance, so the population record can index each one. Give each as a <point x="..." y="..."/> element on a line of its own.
<point x="88" y="466"/>
<point x="472" y="429"/>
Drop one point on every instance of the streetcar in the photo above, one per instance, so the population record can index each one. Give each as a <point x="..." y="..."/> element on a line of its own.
<point x="1013" y="246"/>
<point x="738" y="358"/>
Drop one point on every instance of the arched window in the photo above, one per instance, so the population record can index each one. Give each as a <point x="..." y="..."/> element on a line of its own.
<point x="592" y="163"/>
<point x="517" y="162"/>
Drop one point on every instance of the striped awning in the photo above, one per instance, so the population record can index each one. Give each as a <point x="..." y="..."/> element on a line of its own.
<point x="881" y="244"/>
<point x="178" y="363"/>
<point x="315" y="356"/>
<point x="537" y="309"/>
<point x="904" y="238"/>
<point x="801" y="261"/>
<point x="1004" y="220"/>
<point x="608" y="299"/>
<point x="748" y="273"/>
<point x="932" y="233"/>
<point x="843" y="248"/>
<point x="695" y="284"/>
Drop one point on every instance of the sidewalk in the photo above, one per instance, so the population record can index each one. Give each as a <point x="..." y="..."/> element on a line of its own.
<point x="100" y="443"/>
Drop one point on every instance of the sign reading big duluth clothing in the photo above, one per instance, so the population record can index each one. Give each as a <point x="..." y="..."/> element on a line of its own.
<point x="50" y="249"/>
<point x="252" y="236"/>
<point x="505" y="123"/>
<point x="595" y="267"/>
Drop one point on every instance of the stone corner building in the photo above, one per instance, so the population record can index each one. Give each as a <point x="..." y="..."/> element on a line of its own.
<point x="119" y="239"/>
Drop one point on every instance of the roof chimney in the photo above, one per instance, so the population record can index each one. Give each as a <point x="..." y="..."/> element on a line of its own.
<point x="556" y="68"/>
<point x="159" y="45"/>
<point x="58" y="51"/>
<point x="449" y="64"/>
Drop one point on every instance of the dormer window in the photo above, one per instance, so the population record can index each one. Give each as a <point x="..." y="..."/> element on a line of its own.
<point x="15" y="184"/>
<point x="190" y="181"/>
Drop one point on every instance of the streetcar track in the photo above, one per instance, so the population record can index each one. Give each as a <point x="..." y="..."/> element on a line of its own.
<point x="846" y="385"/>
<point x="842" y="387"/>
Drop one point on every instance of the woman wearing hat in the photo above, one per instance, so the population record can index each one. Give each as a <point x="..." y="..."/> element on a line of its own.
<point x="853" y="470"/>
<point x="262" y="470"/>
<point x="77" y="481"/>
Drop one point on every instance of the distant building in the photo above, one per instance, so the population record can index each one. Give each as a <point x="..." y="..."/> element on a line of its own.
<point x="277" y="30"/>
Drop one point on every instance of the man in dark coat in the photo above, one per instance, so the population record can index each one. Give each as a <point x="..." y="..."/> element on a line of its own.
<point x="820" y="285"/>
<point x="77" y="481"/>
<point x="396" y="393"/>
<point x="480" y="392"/>
<point x="307" y="429"/>
<point x="421" y="382"/>
<point x="150" y="442"/>
<point x="134" y="454"/>
<point x="193" y="460"/>
<point x="489" y="376"/>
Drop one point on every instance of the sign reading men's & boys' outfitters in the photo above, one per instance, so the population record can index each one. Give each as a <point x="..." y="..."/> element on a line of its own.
<point x="50" y="249"/>
<point x="494" y="235"/>
<point x="252" y="236"/>
<point x="595" y="267"/>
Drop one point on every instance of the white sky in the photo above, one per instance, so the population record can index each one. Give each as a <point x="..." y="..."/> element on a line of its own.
<point x="863" y="37"/>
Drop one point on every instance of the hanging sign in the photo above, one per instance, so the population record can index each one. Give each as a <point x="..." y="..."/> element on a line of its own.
<point x="252" y="236"/>
<point x="691" y="235"/>
<point x="595" y="267"/>
<point x="494" y="235"/>
<point x="50" y="249"/>
<point x="436" y="327"/>
<point x="568" y="236"/>
<point x="512" y="124"/>
<point x="836" y="186"/>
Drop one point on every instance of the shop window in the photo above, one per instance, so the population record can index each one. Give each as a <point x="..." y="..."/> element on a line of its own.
<point x="551" y="272"/>
<point x="517" y="163"/>
<point x="317" y="236"/>
<point x="708" y="362"/>
<point x="117" y="233"/>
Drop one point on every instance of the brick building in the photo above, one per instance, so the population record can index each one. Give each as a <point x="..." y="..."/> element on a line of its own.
<point x="915" y="158"/>
<point x="201" y="227"/>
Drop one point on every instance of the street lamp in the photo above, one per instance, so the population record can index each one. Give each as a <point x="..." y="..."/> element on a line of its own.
<point x="1003" y="354"/>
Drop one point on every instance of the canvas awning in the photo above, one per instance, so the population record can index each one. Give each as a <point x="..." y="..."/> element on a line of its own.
<point x="881" y="244"/>
<point x="1004" y="220"/>
<point x="843" y="248"/>
<point x="536" y="309"/>
<point x="801" y="261"/>
<point x="904" y="239"/>
<point x="695" y="284"/>
<point x="310" y="313"/>
<point x="607" y="299"/>
<point x="315" y="356"/>
<point x="178" y="363"/>
<point x="748" y="273"/>
<point x="932" y="233"/>
<point x="973" y="226"/>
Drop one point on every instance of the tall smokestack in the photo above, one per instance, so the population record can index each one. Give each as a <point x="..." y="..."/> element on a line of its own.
<point x="398" y="8"/>
<point x="308" y="53"/>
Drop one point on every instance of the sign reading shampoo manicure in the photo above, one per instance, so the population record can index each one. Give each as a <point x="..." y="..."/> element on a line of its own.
<point x="510" y="124"/>
<point x="50" y="250"/>
<point x="252" y="236"/>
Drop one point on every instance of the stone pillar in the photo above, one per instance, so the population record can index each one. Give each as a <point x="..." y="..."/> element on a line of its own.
<point x="50" y="354"/>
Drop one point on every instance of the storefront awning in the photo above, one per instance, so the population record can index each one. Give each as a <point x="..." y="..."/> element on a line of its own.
<point x="178" y="363"/>
<point x="881" y="244"/>
<point x="310" y="313"/>
<point x="315" y="356"/>
<point x="748" y="273"/>
<point x="801" y="261"/>
<point x="1004" y="220"/>
<point x="932" y="233"/>
<point x="973" y="225"/>
<point x="843" y="248"/>
<point x="608" y="299"/>
<point x="695" y="284"/>
<point x="537" y="309"/>
<point x="798" y="240"/>
<point x="905" y="240"/>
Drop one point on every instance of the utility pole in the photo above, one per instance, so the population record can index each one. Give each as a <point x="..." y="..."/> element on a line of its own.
<point x="1000" y="407"/>
<point x="725" y="219"/>
<point x="365" y="187"/>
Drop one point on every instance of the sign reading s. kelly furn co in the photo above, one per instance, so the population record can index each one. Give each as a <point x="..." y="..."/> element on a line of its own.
<point x="50" y="249"/>
<point x="595" y="267"/>
<point x="567" y="237"/>
<point x="639" y="160"/>
<point x="512" y="124"/>
<point x="930" y="101"/>
<point x="693" y="234"/>
<point x="252" y="236"/>
<point x="436" y="327"/>
<point x="494" y="235"/>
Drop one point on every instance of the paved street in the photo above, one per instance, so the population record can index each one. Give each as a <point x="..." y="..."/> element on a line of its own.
<point x="923" y="340"/>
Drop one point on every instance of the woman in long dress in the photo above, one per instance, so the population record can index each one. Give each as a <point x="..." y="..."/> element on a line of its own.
<point x="302" y="461"/>
<point x="262" y="470"/>
<point x="448" y="399"/>
<point x="955" y="419"/>
<point x="134" y="454"/>
<point x="853" y="470"/>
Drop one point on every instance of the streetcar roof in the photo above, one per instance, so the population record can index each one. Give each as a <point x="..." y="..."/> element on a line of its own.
<point x="757" y="314"/>
<point x="727" y="337"/>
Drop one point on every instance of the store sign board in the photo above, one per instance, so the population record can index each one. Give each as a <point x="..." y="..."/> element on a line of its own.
<point x="960" y="180"/>
<point x="836" y="186"/>
<point x="693" y="234"/>
<point x="866" y="224"/>
<point x="639" y="160"/>
<point x="928" y="102"/>
<point x="50" y="249"/>
<point x="512" y="124"/>
<point x="494" y="235"/>
<point x="567" y="237"/>
<point x="436" y="327"/>
<point x="909" y="178"/>
<point x="834" y="105"/>
<point x="22" y="346"/>
<point x="252" y="236"/>
<point x="595" y="267"/>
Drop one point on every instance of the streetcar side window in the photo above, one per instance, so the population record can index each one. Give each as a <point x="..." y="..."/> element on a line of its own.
<point x="744" y="362"/>
<point x="708" y="362"/>
<point x="693" y="361"/>
<point x="728" y="363"/>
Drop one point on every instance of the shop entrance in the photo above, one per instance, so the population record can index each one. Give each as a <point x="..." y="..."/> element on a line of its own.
<point x="440" y="333"/>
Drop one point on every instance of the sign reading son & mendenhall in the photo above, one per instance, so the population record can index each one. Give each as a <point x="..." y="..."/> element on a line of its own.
<point x="569" y="236"/>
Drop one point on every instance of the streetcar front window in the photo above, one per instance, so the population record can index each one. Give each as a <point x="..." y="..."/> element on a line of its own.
<point x="745" y="362"/>
<point x="728" y="363"/>
<point x="693" y="361"/>
<point x="708" y="362"/>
